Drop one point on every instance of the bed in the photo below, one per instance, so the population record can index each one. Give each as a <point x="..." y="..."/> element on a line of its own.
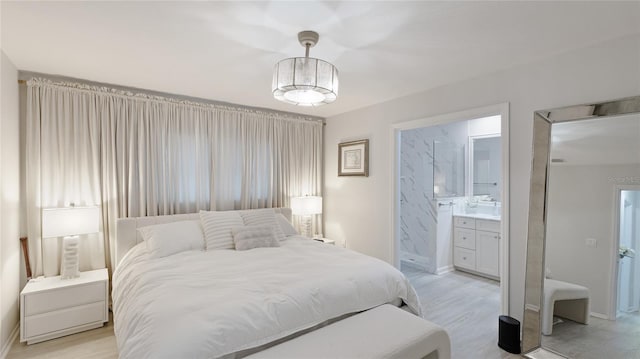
<point x="231" y="303"/>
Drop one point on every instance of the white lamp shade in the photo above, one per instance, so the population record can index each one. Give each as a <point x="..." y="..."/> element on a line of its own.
<point x="306" y="206"/>
<point x="69" y="221"/>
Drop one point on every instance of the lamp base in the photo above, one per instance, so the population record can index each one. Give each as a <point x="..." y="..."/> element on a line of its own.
<point x="70" y="263"/>
<point x="306" y="226"/>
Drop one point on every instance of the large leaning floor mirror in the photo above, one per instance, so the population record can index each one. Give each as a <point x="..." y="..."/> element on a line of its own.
<point x="582" y="286"/>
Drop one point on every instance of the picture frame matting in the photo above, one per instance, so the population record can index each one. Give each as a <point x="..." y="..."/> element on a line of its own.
<point x="353" y="158"/>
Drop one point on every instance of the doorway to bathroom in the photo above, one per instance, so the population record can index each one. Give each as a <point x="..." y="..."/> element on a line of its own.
<point x="628" y="283"/>
<point x="450" y="197"/>
<point x="450" y="205"/>
<point x="444" y="189"/>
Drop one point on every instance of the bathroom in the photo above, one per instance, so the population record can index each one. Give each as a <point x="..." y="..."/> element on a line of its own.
<point x="450" y="197"/>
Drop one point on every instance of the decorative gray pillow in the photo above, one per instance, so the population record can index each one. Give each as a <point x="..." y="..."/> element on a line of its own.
<point x="248" y="237"/>
<point x="262" y="217"/>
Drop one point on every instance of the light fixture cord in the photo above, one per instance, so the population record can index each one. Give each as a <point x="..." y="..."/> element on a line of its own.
<point x="307" y="47"/>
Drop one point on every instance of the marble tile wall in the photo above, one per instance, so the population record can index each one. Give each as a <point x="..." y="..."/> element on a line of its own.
<point x="417" y="220"/>
<point x="419" y="210"/>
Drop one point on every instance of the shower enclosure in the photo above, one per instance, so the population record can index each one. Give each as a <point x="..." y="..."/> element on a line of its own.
<point x="432" y="173"/>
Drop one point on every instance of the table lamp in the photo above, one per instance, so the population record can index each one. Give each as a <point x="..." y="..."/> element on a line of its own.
<point x="69" y="222"/>
<point x="306" y="207"/>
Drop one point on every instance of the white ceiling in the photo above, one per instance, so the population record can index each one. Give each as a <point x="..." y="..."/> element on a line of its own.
<point x="601" y="141"/>
<point x="225" y="51"/>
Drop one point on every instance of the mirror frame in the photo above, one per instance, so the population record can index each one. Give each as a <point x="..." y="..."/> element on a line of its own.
<point x="537" y="223"/>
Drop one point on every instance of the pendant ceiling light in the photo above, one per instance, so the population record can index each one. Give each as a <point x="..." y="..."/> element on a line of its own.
<point x="305" y="81"/>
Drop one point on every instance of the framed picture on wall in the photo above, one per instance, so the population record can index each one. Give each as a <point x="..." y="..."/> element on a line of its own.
<point x="353" y="158"/>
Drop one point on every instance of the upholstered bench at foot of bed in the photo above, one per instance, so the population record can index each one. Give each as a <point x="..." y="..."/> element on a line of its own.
<point x="382" y="332"/>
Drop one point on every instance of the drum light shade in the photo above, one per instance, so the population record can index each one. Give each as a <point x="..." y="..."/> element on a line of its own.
<point x="305" y="81"/>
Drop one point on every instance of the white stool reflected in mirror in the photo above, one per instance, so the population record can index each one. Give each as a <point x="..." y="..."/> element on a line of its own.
<point x="565" y="300"/>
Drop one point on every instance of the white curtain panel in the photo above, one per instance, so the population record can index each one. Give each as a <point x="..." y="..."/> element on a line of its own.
<point x="142" y="155"/>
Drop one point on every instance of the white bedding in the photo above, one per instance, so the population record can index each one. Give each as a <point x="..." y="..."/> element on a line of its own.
<point x="199" y="304"/>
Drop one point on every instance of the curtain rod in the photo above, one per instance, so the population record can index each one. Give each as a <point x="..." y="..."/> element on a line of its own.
<point x="178" y="97"/>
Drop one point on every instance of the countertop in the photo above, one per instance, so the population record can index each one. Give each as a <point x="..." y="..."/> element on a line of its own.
<point x="477" y="216"/>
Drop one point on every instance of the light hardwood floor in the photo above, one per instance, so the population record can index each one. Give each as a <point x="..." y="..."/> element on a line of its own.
<point x="96" y="344"/>
<point x="466" y="306"/>
<point x="601" y="338"/>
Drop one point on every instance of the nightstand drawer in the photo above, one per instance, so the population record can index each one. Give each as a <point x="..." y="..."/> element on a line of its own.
<point x="55" y="299"/>
<point x="465" y="238"/>
<point x="64" y="319"/>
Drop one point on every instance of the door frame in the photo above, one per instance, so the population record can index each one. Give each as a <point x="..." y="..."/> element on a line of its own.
<point x="614" y="267"/>
<point x="493" y="110"/>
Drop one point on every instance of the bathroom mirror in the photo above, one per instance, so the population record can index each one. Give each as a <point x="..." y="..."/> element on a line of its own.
<point x="484" y="166"/>
<point x="585" y="161"/>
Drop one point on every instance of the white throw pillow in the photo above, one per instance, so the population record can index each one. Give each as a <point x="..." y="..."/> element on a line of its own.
<point x="248" y="237"/>
<point x="262" y="217"/>
<point x="163" y="240"/>
<point x="217" y="227"/>
<point x="285" y="225"/>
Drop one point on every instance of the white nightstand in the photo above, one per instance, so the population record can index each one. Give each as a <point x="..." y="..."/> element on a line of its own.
<point x="52" y="307"/>
<point x="326" y="241"/>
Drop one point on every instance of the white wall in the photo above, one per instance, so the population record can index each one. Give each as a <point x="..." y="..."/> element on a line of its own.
<point x="581" y="205"/>
<point x="9" y="202"/>
<point x="358" y="209"/>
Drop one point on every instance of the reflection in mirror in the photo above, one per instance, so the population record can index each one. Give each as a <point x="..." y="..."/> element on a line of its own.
<point x="593" y="163"/>
<point x="485" y="166"/>
<point x="582" y="289"/>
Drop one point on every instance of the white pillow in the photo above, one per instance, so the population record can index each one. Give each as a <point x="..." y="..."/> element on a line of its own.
<point x="285" y="225"/>
<point x="217" y="228"/>
<point x="262" y="217"/>
<point x="248" y="237"/>
<point x="170" y="238"/>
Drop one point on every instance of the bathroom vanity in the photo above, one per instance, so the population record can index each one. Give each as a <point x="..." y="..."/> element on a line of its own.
<point x="476" y="244"/>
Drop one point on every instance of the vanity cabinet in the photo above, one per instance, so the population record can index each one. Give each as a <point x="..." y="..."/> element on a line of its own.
<point x="476" y="246"/>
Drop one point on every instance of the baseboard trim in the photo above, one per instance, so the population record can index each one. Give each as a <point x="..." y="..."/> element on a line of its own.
<point x="599" y="315"/>
<point x="6" y="348"/>
<point x="416" y="265"/>
<point x="446" y="269"/>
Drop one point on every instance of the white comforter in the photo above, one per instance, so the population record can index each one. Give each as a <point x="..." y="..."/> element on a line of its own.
<point x="199" y="304"/>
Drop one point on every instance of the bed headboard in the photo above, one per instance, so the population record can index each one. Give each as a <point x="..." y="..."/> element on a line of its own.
<point x="127" y="234"/>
